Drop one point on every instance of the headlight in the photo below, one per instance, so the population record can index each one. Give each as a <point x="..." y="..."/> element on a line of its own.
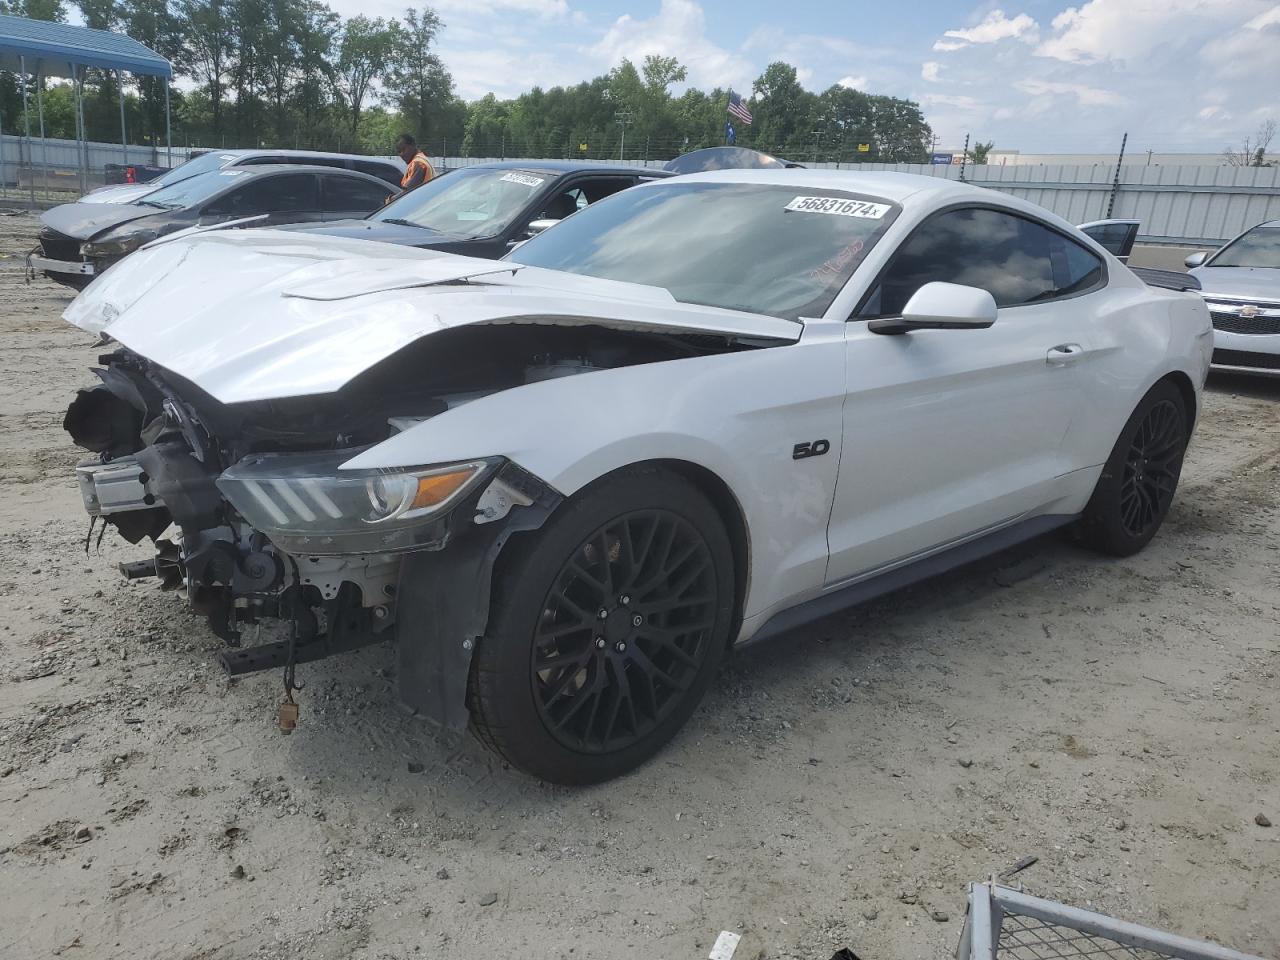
<point x="117" y="246"/>
<point x="305" y="504"/>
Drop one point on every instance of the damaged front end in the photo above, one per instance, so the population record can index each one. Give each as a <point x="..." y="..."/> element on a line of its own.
<point x="269" y="527"/>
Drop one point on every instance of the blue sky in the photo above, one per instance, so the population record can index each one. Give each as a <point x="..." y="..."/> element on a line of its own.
<point x="1038" y="76"/>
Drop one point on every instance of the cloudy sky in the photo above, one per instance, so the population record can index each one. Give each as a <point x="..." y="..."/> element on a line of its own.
<point x="1039" y="76"/>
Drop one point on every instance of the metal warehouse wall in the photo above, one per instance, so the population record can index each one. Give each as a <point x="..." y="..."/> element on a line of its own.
<point x="1194" y="205"/>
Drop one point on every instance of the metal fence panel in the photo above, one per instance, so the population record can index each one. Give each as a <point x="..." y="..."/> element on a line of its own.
<point x="1195" y="205"/>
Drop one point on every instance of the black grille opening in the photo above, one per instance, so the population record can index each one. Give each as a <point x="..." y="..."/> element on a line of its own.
<point x="1243" y="358"/>
<point x="1234" y="323"/>
<point x="58" y="246"/>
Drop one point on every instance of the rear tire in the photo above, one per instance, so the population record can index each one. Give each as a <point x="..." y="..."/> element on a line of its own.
<point x="1140" y="477"/>
<point x="606" y="629"/>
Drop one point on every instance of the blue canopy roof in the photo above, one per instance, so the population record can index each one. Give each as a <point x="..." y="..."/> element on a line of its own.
<point x="51" y="49"/>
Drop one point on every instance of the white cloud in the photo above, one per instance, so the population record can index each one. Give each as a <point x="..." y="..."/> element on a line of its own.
<point x="677" y="30"/>
<point x="1086" y="95"/>
<point x="482" y="8"/>
<point x="992" y="29"/>
<point x="853" y="83"/>
<point x="929" y="71"/>
<point x="1130" y="30"/>
<point x="950" y="100"/>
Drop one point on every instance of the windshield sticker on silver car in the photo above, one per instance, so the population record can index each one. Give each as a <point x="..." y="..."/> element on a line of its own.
<point x="839" y="206"/>
<point x="523" y="178"/>
<point x="230" y="173"/>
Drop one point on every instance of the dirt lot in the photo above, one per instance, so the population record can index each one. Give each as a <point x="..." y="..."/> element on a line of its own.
<point x="1116" y="719"/>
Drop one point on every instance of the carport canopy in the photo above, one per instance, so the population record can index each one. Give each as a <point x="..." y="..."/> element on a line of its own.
<point x="41" y="48"/>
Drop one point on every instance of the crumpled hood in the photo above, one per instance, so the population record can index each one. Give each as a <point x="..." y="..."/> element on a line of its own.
<point x="119" y="193"/>
<point x="266" y="314"/>
<point x="1254" y="283"/>
<point x="374" y="230"/>
<point x="84" y="221"/>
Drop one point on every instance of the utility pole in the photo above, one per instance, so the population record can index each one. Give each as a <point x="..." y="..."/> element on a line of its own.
<point x="964" y="157"/>
<point x="1115" y="184"/>
<point x="622" y="118"/>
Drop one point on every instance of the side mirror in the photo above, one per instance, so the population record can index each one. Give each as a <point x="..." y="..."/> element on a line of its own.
<point x="537" y="226"/>
<point x="941" y="306"/>
<point x="1195" y="260"/>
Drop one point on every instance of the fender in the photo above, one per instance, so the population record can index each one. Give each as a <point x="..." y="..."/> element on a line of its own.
<point x="710" y="411"/>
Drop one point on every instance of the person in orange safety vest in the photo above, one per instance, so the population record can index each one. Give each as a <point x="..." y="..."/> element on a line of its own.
<point x="417" y="167"/>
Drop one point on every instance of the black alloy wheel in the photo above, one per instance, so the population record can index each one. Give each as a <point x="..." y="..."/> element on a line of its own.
<point x="1135" y="490"/>
<point x="624" y="630"/>
<point x="606" y="628"/>
<point x="1151" y="469"/>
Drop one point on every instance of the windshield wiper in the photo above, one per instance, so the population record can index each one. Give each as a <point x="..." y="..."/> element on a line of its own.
<point x="401" y="222"/>
<point x="150" y="203"/>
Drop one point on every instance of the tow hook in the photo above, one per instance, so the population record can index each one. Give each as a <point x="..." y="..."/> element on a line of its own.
<point x="166" y="565"/>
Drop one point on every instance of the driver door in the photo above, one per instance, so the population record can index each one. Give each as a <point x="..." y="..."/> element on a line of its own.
<point x="949" y="434"/>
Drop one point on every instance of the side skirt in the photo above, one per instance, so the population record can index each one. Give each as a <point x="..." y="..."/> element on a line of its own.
<point x="931" y="566"/>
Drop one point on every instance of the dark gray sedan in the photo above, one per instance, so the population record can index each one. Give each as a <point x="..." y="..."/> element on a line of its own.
<point x="486" y="209"/>
<point x="80" y="240"/>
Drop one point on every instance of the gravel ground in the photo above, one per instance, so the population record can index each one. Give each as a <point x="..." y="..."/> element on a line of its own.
<point x="1117" y="719"/>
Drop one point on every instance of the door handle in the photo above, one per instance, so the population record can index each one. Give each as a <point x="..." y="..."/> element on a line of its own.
<point x="1063" y="353"/>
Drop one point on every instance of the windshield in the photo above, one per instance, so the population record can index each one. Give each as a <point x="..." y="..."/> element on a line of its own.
<point x="468" y="203"/>
<point x="201" y="164"/>
<point x="1260" y="247"/>
<point x="784" y="251"/>
<point x="193" y="190"/>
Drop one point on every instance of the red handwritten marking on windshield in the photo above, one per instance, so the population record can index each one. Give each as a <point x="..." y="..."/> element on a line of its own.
<point x="837" y="263"/>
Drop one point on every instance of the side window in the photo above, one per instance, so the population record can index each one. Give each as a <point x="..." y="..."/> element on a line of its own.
<point x="596" y="190"/>
<point x="1018" y="260"/>
<point x="1115" y="237"/>
<point x="342" y="162"/>
<point x="287" y="194"/>
<point x="383" y="171"/>
<point x="350" y="194"/>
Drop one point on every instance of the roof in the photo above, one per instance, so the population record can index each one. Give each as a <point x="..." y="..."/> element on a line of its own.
<point x="895" y="187"/>
<point x="267" y="169"/>
<point x="300" y="154"/>
<point x="570" y="166"/>
<point x="51" y="48"/>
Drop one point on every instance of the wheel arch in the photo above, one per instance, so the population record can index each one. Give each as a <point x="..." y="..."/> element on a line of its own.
<point x="1187" y="391"/>
<point x="727" y="505"/>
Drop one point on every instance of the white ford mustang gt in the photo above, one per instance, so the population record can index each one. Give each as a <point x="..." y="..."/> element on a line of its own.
<point x="698" y="413"/>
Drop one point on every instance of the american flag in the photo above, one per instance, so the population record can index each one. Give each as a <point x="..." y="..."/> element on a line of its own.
<point x="738" y="108"/>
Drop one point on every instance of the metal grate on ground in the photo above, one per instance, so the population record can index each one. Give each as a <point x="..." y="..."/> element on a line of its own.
<point x="1026" y="938"/>
<point x="1006" y="924"/>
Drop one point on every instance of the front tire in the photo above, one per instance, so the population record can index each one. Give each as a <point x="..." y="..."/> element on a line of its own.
<point x="1140" y="477"/>
<point x="606" y="629"/>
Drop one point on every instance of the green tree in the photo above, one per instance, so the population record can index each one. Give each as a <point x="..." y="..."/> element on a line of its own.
<point x="209" y="50"/>
<point x="366" y="47"/>
<point x="418" y="82"/>
<point x="978" y="155"/>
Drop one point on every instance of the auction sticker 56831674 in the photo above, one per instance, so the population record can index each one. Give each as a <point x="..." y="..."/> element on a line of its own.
<point x="839" y="206"/>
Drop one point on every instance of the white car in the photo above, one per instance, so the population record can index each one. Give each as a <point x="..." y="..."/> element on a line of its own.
<point x="696" y="414"/>
<point x="1241" y="283"/>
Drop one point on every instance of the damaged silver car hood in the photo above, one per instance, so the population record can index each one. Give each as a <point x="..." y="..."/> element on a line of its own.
<point x="265" y="314"/>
